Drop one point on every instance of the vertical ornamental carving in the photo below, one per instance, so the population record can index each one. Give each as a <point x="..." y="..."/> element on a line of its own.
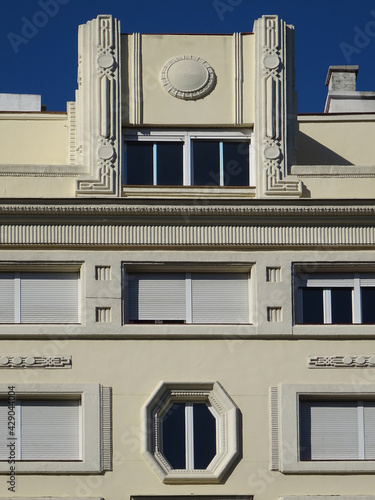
<point x="98" y="105"/>
<point x="275" y="108"/>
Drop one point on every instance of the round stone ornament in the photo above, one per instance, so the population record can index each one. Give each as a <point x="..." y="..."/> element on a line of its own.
<point x="188" y="77"/>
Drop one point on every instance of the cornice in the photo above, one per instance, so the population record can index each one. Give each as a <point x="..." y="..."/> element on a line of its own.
<point x="122" y="210"/>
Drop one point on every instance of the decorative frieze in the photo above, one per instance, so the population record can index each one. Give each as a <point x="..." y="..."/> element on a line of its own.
<point x="103" y="273"/>
<point x="274" y="314"/>
<point x="342" y="361"/>
<point x="273" y="274"/>
<point x="35" y="361"/>
<point x="184" y="235"/>
<point x="103" y="314"/>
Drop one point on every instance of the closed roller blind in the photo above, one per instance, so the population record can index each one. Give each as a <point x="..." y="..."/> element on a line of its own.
<point x="49" y="297"/>
<point x="157" y="296"/>
<point x="7" y="298"/>
<point x="4" y="434"/>
<point x="50" y="430"/>
<point x="220" y="298"/>
<point x="369" y="429"/>
<point x="329" y="430"/>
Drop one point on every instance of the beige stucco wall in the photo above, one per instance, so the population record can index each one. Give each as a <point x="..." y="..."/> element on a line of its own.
<point x="34" y="138"/>
<point x="246" y="367"/>
<point x="158" y="108"/>
<point x="336" y="140"/>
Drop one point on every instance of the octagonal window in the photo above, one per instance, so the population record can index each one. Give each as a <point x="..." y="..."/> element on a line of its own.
<point x="192" y="432"/>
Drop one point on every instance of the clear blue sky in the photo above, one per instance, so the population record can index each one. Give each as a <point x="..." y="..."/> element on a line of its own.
<point x="45" y="60"/>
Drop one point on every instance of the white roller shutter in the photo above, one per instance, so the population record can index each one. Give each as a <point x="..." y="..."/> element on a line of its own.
<point x="50" y="430"/>
<point x="220" y="297"/>
<point x="7" y="297"/>
<point x="156" y="296"/>
<point x="369" y="429"/>
<point x="49" y="297"/>
<point x="329" y="430"/>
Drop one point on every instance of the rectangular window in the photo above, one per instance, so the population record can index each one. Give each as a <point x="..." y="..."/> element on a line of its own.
<point x="39" y="297"/>
<point x="335" y="298"/>
<point x="187" y="298"/>
<point x="337" y="430"/>
<point x="48" y="430"/>
<point x="187" y="159"/>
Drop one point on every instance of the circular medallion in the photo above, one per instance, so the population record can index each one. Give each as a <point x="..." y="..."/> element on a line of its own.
<point x="30" y="360"/>
<point x="106" y="61"/>
<point x="188" y="77"/>
<point x="348" y="360"/>
<point x="106" y="152"/>
<point x="4" y="360"/>
<point x="361" y="360"/>
<point x="271" y="62"/>
<point x="371" y="361"/>
<point x="272" y="152"/>
<point x="17" y="360"/>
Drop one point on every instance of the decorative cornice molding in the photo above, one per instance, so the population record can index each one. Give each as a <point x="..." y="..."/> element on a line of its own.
<point x="342" y="361"/>
<point x="35" y="361"/>
<point x="161" y="235"/>
<point x="122" y="210"/>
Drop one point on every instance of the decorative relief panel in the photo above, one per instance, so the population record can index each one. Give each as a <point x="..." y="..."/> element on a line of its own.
<point x="35" y="361"/>
<point x="342" y="361"/>
<point x="98" y="106"/>
<point x="188" y="77"/>
<point x="275" y="113"/>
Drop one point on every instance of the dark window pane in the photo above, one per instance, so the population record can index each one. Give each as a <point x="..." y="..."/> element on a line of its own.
<point x="305" y="430"/>
<point x="236" y="163"/>
<point x="206" y="163"/>
<point x="139" y="161"/>
<point x="341" y="300"/>
<point x="169" y="164"/>
<point x="368" y="305"/>
<point x="173" y="435"/>
<point x="312" y="306"/>
<point x="204" y="436"/>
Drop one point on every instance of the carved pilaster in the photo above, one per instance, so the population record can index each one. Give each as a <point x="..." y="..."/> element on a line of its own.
<point x="275" y="108"/>
<point x="98" y="107"/>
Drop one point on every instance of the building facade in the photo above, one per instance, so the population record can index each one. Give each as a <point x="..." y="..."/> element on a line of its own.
<point x="187" y="277"/>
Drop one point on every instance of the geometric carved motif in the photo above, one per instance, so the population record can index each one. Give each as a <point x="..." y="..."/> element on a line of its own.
<point x="35" y="361"/>
<point x="98" y="106"/>
<point x="339" y="361"/>
<point x="275" y="115"/>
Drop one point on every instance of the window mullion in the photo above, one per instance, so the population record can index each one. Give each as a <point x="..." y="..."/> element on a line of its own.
<point x="189" y="435"/>
<point x="18" y="427"/>
<point x="327" y="306"/>
<point x="17" y="297"/>
<point x="187" y="167"/>
<point x="221" y="160"/>
<point x="188" y="298"/>
<point x="356" y="300"/>
<point x="361" y="431"/>
<point x="155" y="164"/>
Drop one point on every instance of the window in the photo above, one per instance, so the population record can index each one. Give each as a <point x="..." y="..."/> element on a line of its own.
<point x="64" y="428"/>
<point x="337" y="430"/>
<point x="187" y="159"/>
<point x="47" y="429"/>
<point x="327" y="428"/>
<point x="187" y="297"/>
<point x="331" y="298"/>
<point x="39" y="297"/>
<point x="192" y="432"/>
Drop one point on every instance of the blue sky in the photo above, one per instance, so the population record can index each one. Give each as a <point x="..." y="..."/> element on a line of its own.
<point x="39" y="38"/>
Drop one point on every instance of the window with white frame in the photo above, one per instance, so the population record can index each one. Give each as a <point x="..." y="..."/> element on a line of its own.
<point x="327" y="428"/>
<point x="192" y="432"/>
<point x="335" y="298"/>
<point x="192" y="297"/>
<point x="337" y="429"/>
<point x="56" y="428"/>
<point x="45" y="429"/>
<point x="39" y="297"/>
<point x="158" y="158"/>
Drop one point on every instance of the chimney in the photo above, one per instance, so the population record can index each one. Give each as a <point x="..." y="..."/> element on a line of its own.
<point x="342" y="78"/>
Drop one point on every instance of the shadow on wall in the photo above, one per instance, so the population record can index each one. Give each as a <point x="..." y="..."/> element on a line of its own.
<point x="311" y="152"/>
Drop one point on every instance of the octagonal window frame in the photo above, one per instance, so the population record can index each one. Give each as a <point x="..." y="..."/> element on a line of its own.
<point x="227" y="430"/>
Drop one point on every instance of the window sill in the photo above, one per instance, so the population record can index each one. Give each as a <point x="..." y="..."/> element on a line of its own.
<point x="166" y="192"/>
<point x="334" y="331"/>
